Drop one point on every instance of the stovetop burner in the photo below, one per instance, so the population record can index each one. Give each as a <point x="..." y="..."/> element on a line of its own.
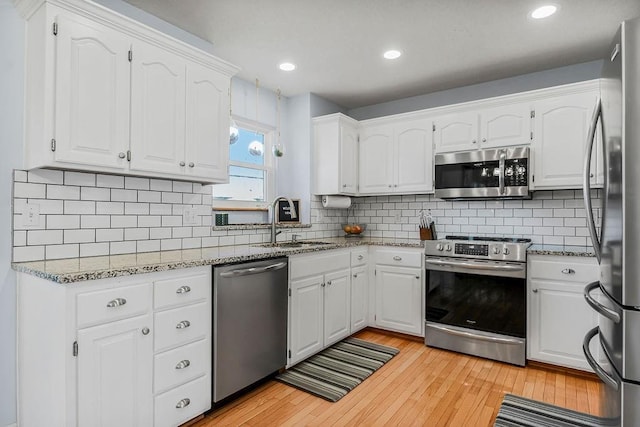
<point x="490" y="239"/>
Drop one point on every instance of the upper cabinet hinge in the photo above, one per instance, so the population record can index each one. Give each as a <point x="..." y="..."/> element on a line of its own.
<point x="533" y="114"/>
<point x="130" y="55"/>
<point x="289" y="291"/>
<point x="75" y="348"/>
<point x="531" y="136"/>
<point x="53" y="144"/>
<point x="55" y="28"/>
<point x="289" y="354"/>
<point x="433" y="127"/>
<point x="533" y="178"/>
<point x="128" y="155"/>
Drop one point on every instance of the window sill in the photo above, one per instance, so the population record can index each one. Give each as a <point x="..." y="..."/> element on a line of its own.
<point x="257" y="226"/>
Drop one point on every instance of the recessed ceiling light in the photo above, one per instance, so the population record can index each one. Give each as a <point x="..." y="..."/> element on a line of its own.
<point x="392" y="54"/>
<point x="287" y="66"/>
<point x="544" y="11"/>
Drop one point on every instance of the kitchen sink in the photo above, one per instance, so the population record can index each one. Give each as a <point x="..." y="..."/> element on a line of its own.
<point x="293" y="244"/>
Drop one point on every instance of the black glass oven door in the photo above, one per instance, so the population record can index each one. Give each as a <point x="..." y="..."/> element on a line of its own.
<point x="485" y="303"/>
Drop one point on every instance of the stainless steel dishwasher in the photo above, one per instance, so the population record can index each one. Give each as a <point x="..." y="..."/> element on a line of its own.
<point x="249" y="323"/>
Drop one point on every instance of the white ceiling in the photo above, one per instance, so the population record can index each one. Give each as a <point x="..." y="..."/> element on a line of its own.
<point x="338" y="44"/>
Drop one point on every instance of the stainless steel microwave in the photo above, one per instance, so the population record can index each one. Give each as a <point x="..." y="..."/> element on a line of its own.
<point x="483" y="174"/>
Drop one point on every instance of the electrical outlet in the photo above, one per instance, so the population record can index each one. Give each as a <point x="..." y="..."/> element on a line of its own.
<point x="189" y="216"/>
<point x="31" y="215"/>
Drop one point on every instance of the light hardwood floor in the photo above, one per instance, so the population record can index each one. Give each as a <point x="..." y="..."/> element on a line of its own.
<point x="421" y="386"/>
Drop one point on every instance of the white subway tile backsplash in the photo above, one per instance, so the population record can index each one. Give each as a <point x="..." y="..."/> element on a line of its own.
<point x="110" y="208"/>
<point x="62" y="251"/>
<point x="172" y="220"/>
<point x="160" y="185"/>
<point x="29" y="191"/>
<point x="136" y="234"/>
<point x="160" y="233"/>
<point x="116" y="248"/>
<point x="124" y="221"/>
<point x="19" y="176"/>
<point x="171" y="197"/>
<point x="95" y="193"/>
<point x="79" y="236"/>
<point x="182" y="187"/>
<point x="19" y="238"/>
<point x="28" y="253"/>
<point x="63" y="192"/>
<point x="110" y="181"/>
<point x="94" y="249"/>
<point x="74" y="207"/>
<point x="95" y="221"/>
<point x="63" y="222"/>
<point x="170" y="244"/>
<point x="136" y="208"/>
<point x="118" y="195"/>
<point x="45" y="176"/>
<point x="44" y="237"/>
<point x="149" y="196"/>
<point x="134" y="183"/>
<point x="148" y="246"/>
<point x="80" y="179"/>
<point x="159" y="209"/>
<point x="152" y="221"/>
<point x="109" y="234"/>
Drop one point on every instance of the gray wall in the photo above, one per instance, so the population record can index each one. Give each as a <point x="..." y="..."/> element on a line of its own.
<point x="11" y="113"/>
<point x="525" y="82"/>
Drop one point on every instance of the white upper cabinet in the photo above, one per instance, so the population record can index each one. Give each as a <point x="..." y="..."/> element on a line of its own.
<point x="92" y="93"/>
<point x="106" y="94"/>
<point x="396" y="156"/>
<point x="560" y="140"/>
<point x="157" y="110"/>
<point x="499" y="126"/>
<point x="335" y="155"/>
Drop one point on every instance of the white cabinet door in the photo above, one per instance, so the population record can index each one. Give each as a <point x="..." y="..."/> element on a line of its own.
<point x="359" y="297"/>
<point x="399" y="299"/>
<point x="413" y="155"/>
<point x="505" y="125"/>
<point x="376" y="159"/>
<point x="337" y="306"/>
<point x="115" y="374"/>
<point x="306" y="321"/>
<point x="456" y="132"/>
<point x="560" y="137"/>
<point x="207" y="119"/>
<point x="157" y="111"/>
<point x="348" y="158"/>
<point x="559" y="319"/>
<point x="92" y="94"/>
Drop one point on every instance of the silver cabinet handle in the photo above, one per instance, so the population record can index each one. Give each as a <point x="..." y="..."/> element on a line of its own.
<point x="344" y="185"/>
<point x="191" y="164"/>
<point x="145" y="331"/>
<point x="122" y="155"/>
<point x="590" y="175"/>
<point x="360" y="257"/>
<point x="184" y="324"/>
<point x="389" y="185"/>
<point x="183" y="403"/>
<point x="568" y="271"/>
<point x="183" y="289"/>
<point x="397" y="258"/>
<point x="116" y="302"/>
<point x="418" y="277"/>
<point x="355" y="275"/>
<point x="535" y="291"/>
<point x="484" y="139"/>
<point x="322" y="284"/>
<point x="183" y="364"/>
<point x="182" y="163"/>
<point x="474" y="141"/>
<point x="329" y="282"/>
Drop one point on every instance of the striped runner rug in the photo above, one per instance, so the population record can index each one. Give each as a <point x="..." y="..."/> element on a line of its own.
<point x="337" y="370"/>
<point x="516" y="411"/>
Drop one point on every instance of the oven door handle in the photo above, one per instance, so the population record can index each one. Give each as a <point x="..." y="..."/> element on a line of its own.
<point x="475" y="336"/>
<point x="506" y="267"/>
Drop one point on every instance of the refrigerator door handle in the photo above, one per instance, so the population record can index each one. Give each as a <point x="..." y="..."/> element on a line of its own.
<point x="601" y="309"/>
<point x="604" y="375"/>
<point x="586" y="182"/>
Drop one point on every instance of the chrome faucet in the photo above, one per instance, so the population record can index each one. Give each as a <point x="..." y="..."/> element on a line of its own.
<point x="292" y="208"/>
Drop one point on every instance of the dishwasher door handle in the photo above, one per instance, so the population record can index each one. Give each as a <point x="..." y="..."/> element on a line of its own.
<point x="253" y="270"/>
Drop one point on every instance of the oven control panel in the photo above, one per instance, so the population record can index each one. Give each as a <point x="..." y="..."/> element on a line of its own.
<point x="471" y="249"/>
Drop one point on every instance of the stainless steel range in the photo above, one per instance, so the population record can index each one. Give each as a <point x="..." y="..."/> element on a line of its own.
<point x="476" y="296"/>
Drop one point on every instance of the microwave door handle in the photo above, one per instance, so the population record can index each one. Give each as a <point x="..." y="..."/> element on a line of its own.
<point x="586" y="181"/>
<point x="503" y="155"/>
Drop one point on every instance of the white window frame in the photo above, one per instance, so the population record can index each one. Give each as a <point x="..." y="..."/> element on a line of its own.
<point x="268" y="167"/>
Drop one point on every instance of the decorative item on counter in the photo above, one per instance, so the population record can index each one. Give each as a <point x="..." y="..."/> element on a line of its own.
<point x="353" y="228"/>
<point x="284" y="213"/>
<point x="426" y="226"/>
<point x="336" y="202"/>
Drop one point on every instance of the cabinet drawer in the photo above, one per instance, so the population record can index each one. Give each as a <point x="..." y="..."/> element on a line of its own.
<point x="183" y="403"/>
<point x="112" y="304"/>
<point x="399" y="257"/>
<point x="565" y="269"/>
<point x="177" y="366"/>
<point x="359" y="257"/>
<point x="181" y="325"/>
<point x="318" y="263"/>
<point x="185" y="289"/>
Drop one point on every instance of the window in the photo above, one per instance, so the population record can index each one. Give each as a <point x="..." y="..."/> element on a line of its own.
<point x="250" y="169"/>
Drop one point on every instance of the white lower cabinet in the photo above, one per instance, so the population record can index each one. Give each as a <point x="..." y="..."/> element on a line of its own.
<point x="319" y="305"/>
<point x="559" y="316"/>
<point x="399" y="290"/>
<point x="106" y="357"/>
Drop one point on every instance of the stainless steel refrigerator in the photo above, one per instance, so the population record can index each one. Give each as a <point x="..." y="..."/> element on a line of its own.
<point x="618" y="246"/>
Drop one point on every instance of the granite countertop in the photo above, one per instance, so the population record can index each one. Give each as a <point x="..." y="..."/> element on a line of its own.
<point x="566" y="250"/>
<point x="91" y="268"/>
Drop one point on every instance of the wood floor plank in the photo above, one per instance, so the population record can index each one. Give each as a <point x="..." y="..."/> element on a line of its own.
<point x="420" y="386"/>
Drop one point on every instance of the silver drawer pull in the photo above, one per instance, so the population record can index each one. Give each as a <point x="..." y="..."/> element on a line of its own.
<point x="183" y="364"/>
<point x="568" y="271"/>
<point x="183" y="403"/>
<point x="145" y="331"/>
<point x="360" y="257"/>
<point x="183" y="324"/>
<point x="183" y="289"/>
<point x="116" y="302"/>
<point x="397" y="258"/>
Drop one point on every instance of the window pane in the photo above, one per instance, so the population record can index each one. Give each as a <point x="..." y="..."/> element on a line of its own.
<point x="247" y="147"/>
<point x="244" y="184"/>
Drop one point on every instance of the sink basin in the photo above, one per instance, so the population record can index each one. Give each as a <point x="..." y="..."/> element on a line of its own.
<point x="292" y="244"/>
